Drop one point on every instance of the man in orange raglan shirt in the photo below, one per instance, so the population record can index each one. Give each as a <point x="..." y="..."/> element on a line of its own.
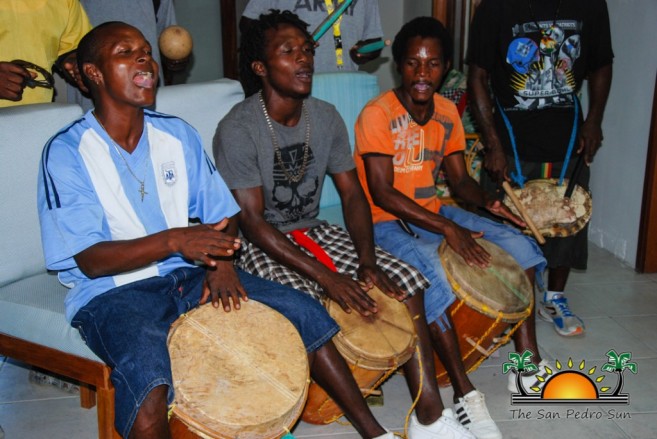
<point x="403" y="137"/>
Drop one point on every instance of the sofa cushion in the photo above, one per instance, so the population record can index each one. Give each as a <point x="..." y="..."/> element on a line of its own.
<point x="202" y="104"/>
<point x="24" y="131"/>
<point x="32" y="309"/>
<point x="348" y="92"/>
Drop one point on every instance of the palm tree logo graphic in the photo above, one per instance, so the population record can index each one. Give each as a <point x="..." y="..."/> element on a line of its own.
<point x="570" y="383"/>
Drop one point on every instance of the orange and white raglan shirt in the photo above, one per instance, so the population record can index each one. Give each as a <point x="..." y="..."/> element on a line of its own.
<point x="385" y="127"/>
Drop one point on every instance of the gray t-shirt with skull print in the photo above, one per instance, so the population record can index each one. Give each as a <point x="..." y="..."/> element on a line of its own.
<point x="245" y="155"/>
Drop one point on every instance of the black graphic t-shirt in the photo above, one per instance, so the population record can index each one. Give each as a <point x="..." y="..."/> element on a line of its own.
<point x="537" y="53"/>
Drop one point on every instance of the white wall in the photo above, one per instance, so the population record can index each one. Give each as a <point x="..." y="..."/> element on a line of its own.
<point x="202" y="18"/>
<point x="619" y="167"/>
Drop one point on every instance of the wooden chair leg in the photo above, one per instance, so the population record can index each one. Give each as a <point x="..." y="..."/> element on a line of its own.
<point x="87" y="396"/>
<point x="105" y="399"/>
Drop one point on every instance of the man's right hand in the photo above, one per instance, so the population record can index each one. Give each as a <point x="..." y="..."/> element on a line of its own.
<point x="348" y="293"/>
<point x="495" y="163"/>
<point x="13" y="79"/>
<point x="204" y="242"/>
<point x="463" y="242"/>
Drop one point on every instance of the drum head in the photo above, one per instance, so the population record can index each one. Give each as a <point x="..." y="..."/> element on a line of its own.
<point x="553" y="215"/>
<point x="377" y="342"/>
<point x="502" y="289"/>
<point x="242" y="374"/>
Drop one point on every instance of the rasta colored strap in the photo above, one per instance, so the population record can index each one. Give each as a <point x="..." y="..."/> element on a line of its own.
<point x="337" y="35"/>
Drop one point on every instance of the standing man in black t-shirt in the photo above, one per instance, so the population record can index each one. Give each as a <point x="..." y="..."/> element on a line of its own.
<point x="536" y="53"/>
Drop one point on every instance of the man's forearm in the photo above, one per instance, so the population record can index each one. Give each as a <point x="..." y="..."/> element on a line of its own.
<point x="482" y="106"/>
<point x="599" y="86"/>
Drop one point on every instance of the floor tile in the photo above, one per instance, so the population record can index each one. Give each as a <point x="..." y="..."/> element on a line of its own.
<point x="643" y="328"/>
<point x="602" y="334"/>
<point x="640" y="426"/>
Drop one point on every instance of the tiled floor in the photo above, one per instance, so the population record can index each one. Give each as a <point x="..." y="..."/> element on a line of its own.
<point x="618" y="305"/>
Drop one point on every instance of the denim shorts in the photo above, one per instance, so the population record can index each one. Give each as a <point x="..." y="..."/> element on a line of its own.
<point x="422" y="253"/>
<point x="127" y="328"/>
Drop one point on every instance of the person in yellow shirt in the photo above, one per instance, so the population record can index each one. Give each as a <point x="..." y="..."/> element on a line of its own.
<point x="36" y="35"/>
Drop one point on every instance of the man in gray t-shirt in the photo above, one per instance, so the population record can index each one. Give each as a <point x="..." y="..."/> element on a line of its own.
<point x="248" y="160"/>
<point x="360" y="23"/>
<point x="273" y="150"/>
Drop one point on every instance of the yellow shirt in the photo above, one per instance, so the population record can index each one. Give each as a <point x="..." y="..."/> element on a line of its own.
<point x="39" y="31"/>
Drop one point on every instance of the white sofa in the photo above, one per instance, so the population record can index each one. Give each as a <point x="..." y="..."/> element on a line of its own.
<point x="32" y="324"/>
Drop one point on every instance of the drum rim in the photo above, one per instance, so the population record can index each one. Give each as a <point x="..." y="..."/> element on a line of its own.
<point x="478" y="305"/>
<point x="179" y="410"/>
<point x="558" y="230"/>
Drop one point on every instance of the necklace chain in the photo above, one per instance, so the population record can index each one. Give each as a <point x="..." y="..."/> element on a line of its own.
<point x="142" y="190"/>
<point x="291" y="177"/>
<point x="554" y="21"/>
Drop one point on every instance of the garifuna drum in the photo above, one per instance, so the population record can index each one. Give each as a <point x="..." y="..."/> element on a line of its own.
<point x="241" y="374"/>
<point x="552" y="213"/>
<point x="491" y="303"/>
<point x="373" y="346"/>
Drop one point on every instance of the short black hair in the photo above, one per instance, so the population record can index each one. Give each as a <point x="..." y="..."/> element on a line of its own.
<point x="254" y="41"/>
<point x="423" y="27"/>
<point x="89" y="48"/>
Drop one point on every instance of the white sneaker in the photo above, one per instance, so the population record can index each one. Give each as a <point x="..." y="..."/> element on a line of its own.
<point x="446" y="427"/>
<point x="532" y="383"/>
<point x="472" y="413"/>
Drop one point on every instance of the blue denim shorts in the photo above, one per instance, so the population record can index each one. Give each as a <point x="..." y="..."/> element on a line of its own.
<point x="422" y="253"/>
<point x="127" y="328"/>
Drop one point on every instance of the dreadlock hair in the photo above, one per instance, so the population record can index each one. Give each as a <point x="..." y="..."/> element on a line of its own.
<point x="254" y="41"/>
<point x="89" y="48"/>
<point x="424" y="27"/>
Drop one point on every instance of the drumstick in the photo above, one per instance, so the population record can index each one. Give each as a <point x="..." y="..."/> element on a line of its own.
<point x="328" y="21"/>
<point x="523" y="212"/>
<point x="575" y="175"/>
<point x="373" y="47"/>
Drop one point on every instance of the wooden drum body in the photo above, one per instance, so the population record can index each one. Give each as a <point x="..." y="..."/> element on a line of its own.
<point x="553" y="215"/>
<point x="242" y="374"/>
<point x="488" y="302"/>
<point x="374" y="347"/>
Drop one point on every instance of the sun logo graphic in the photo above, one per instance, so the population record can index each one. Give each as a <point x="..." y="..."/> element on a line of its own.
<point x="569" y="383"/>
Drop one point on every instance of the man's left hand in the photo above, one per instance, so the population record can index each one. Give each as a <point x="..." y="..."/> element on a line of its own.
<point x="362" y="58"/>
<point x="221" y="283"/>
<point x="370" y="276"/>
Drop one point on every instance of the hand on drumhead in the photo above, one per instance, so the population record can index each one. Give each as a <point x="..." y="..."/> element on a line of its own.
<point x="463" y="242"/>
<point x="498" y="208"/>
<point x="373" y="275"/>
<point x="347" y="293"/>
<point x="204" y="242"/>
<point x="222" y="284"/>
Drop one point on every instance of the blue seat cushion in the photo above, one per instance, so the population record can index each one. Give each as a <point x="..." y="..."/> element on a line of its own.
<point x="32" y="309"/>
